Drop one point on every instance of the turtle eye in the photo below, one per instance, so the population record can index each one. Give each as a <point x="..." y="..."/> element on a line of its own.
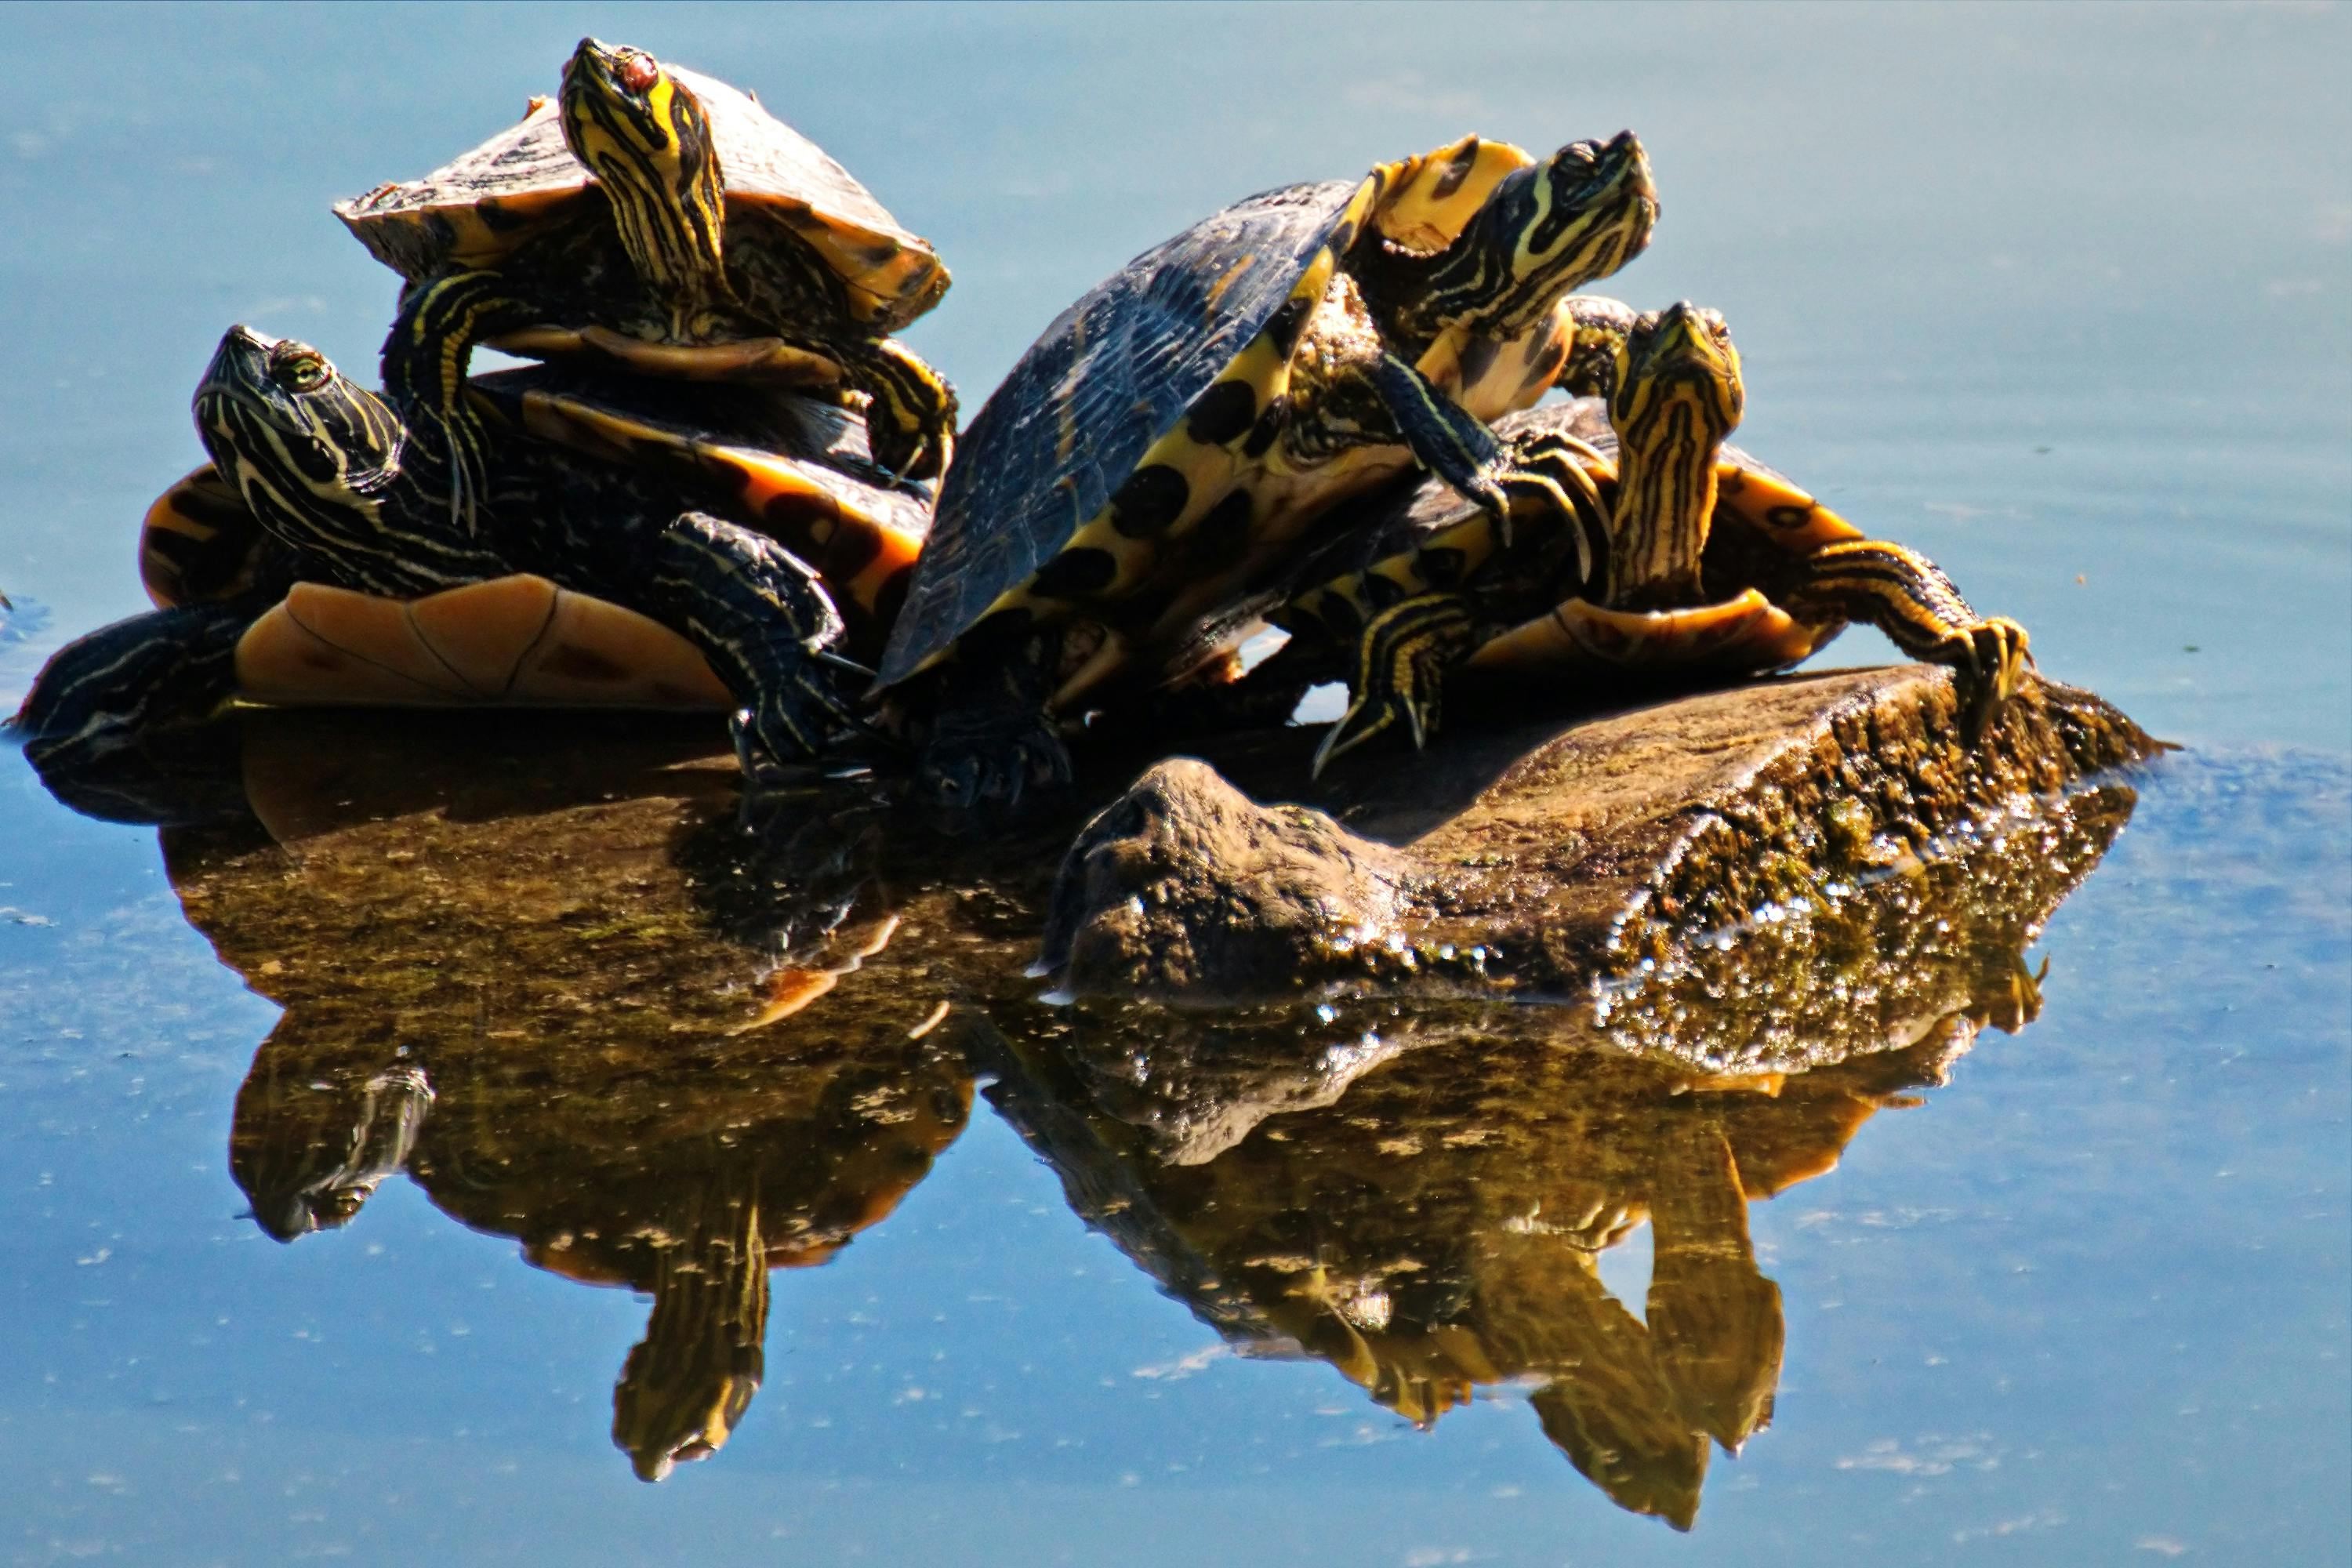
<point x="299" y="367"/>
<point x="637" y="72"/>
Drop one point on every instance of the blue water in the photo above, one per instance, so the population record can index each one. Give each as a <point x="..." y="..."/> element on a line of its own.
<point x="2062" y="296"/>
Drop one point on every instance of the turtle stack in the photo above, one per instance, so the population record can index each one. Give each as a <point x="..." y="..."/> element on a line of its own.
<point x="1316" y="408"/>
<point x="710" y="495"/>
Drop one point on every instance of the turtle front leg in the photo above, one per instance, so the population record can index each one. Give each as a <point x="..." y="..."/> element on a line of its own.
<point x="993" y="743"/>
<point x="762" y="618"/>
<point x="1907" y="596"/>
<point x="1406" y="650"/>
<point x="910" y="415"/>
<point x="426" y="359"/>
<point x="1400" y="675"/>
<point x="1449" y="440"/>
<point x="163" y="669"/>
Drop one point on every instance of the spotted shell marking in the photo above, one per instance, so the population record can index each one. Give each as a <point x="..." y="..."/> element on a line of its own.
<point x="1089" y="449"/>
<point x="1120" y="454"/>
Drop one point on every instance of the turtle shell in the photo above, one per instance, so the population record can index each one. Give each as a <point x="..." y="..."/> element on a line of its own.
<point x="1142" y="394"/>
<point x="483" y="206"/>
<point x="797" y="469"/>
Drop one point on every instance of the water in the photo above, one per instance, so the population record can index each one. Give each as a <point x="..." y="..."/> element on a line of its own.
<point x="2058" y="296"/>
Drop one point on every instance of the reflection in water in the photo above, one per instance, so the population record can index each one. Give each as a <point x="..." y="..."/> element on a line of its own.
<point x="539" y="991"/>
<point x="557" y="979"/>
<point x="1423" y="1205"/>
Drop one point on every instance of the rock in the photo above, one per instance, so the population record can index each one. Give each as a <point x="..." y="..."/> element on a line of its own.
<point x="1185" y="884"/>
<point x="1610" y="845"/>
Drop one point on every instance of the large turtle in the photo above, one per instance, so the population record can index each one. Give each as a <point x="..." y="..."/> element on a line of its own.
<point x="664" y="219"/>
<point x="1173" y="437"/>
<point x="1651" y="545"/>
<point x="719" y="552"/>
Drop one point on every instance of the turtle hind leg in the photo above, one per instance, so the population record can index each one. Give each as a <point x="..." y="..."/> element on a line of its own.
<point x="994" y="743"/>
<point x="424" y="362"/>
<point x="762" y="618"/>
<point x="1907" y="596"/>
<point x="1399" y="675"/>
<point x="910" y="415"/>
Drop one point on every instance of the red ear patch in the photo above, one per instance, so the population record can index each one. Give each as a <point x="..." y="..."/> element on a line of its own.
<point x="639" y="72"/>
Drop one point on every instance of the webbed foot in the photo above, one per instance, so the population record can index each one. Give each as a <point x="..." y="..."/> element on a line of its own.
<point x="764" y="619"/>
<point x="993" y="762"/>
<point x="1399" y="678"/>
<point x="1989" y="661"/>
<point x="799" y="714"/>
<point x="910" y="415"/>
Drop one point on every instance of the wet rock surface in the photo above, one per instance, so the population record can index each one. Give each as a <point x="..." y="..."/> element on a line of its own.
<point x="1603" y="849"/>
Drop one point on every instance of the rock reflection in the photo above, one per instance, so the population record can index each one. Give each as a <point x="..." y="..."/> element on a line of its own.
<point x="544" y="980"/>
<point x="549" y="973"/>
<point x="1424" y="1204"/>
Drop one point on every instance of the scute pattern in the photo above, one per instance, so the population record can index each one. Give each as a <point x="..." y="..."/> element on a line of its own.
<point x="1108" y="378"/>
<point x="473" y="209"/>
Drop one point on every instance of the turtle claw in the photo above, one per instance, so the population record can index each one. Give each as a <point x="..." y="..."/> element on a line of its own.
<point x="994" y="769"/>
<point x="908" y="456"/>
<point x="796" y="719"/>
<point x="1988" y="673"/>
<point x="1487" y="491"/>
<point x="1401" y="660"/>
<point x="1365" y="718"/>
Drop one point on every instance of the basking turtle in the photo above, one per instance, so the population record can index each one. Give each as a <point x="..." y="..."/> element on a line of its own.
<point x="1653" y="545"/>
<point x="718" y="553"/>
<point x="666" y="220"/>
<point x="1173" y="435"/>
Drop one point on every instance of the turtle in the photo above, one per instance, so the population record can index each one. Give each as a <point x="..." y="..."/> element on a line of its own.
<point x="1174" y="435"/>
<point x="660" y="218"/>
<point x="1652" y="546"/>
<point x="644" y="543"/>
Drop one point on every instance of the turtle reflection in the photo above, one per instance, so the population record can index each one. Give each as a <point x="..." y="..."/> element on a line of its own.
<point x="1424" y="1204"/>
<point x="554" y="989"/>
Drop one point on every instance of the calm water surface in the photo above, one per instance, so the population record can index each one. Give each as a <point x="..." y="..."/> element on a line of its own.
<point x="2062" y="297"/>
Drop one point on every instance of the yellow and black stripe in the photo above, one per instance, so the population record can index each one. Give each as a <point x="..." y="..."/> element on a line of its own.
<point x="645" y="137"/>
<point x="692" y="1377"/>
<point x="1907" y="596"/>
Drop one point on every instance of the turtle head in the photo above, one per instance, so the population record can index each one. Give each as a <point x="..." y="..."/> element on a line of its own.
<point x="1678" y="395"/>
<point x="645" y="138"/>
<point x="310" y="1152"/>
<point x="297" y="437"/>
<point x="1545" y="231"/>
<point x="1677" y="371"/>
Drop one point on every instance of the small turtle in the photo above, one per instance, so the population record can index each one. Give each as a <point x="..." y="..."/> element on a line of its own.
<point x="715" y="558"/>
<point x="1653" y="545"/>
<point x="666" y="220"/>
<point x="1173" y="437"/>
